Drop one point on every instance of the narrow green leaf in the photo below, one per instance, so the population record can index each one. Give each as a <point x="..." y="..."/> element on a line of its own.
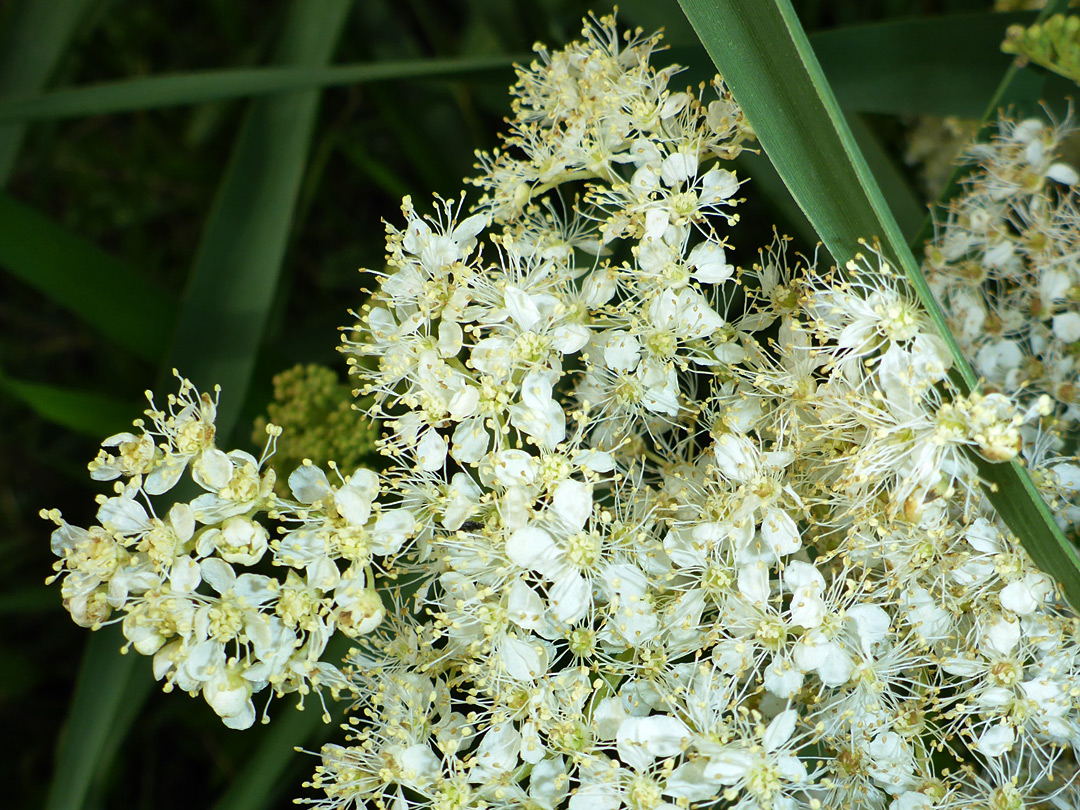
<point x="219" y="329"/>
<point x="32" y="43"/>
<point x="199" y="87"/>
<point x="765" y="57"/>
<point x="102" y="692"/>
<point x="238" y="265"/>
<point x="84" y="412"/>
<point x="121" y="303"/>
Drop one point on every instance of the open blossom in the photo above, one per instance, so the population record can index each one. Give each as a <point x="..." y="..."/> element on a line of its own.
<point x="649" y="531"/>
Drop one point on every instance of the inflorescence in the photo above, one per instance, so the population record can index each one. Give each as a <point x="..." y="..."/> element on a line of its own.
<point x="650" y="530"/>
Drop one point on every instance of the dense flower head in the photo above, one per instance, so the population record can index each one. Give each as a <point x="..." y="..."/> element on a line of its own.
<point x="1004" y="265"/>
<point x="649" y="531"/>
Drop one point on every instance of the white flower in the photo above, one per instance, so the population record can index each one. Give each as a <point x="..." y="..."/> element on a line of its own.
<point x="538" y="415"/>
<point x="640" y="740"/>
<point x="562" y="551"/>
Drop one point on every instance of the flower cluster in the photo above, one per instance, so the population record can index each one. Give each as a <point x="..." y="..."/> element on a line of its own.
<point x="1004" y="265"/>
<point x="180" y="573"/>
<point x="652" y="531"/>
<point x="314" y="411"/>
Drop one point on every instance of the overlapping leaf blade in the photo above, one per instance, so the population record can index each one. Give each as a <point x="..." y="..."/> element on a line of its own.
<point x="766" y="59"/>
<point x="85" y="412"/>
<point x="100" y="289"/>
<point x="32" y="43"/>
<point x="155" y="92"/>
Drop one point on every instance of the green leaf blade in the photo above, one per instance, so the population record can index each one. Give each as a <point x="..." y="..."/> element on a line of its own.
<point x="199" y="87"/>
<point x="239" y="261"/>
<point x="84" y="412"/>
<point x="101" y="290"/>
<point x="33" y="42"/>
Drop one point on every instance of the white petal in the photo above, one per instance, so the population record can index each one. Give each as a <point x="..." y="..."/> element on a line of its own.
<point x="513" y="467"/>
<point x="608" y="717"/>
<point x="521" y="307"/>
<point x="498" y="751"/>
<point x="621" y="351"/>
<point x="1067" y="327"/>
<point x="420" y="762"/>
<point x="524" y="607"/>
<point x="182" y="520"/>
<point x="391" y="530"/>
<point x="218" y="573"/>
<point x="471" y="441"/>
<point x="729" y="766"/>
<point x="353" y="505"/>
<point x="530" y="547"/>
<point x="661" y="735"/>
<point x="570" y="338"/>
<point x="308" y="484"/>
<point x="1063" y="173"/>
<point x="573" y="503"/>
<point x="753" y="582"/>
<point x="463" y="403"/>
<point x="780" y="532"/>
<point x="736" y="457"/>
<point x="710" y="263"/>
<point x="780" y="730"/>
<point x="996" y="740"/>
<point x="123" y="515"/>
<point x="836" y="669"/>
<point x="871" y="622"/>
<point x="523" y="661"/>
<point x="688" y="782"/>
<point x="213" y="469"/>
<point x="431" y="452"/>
<point x="571" y="596"/>
<point x="1002" y="635"/>
<point x="185" y="575"/>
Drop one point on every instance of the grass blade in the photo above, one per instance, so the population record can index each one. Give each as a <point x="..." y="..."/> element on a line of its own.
<point x="119" y="302"/>
<point x="84" y="412"/>
<point x="33" y="41"/>
<point x="213" y="85"/>
<point x="238" y="265"/>
<point x="219" y="329"/>
<point x="101" y="692"/>
<point x="764" y="55"/>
